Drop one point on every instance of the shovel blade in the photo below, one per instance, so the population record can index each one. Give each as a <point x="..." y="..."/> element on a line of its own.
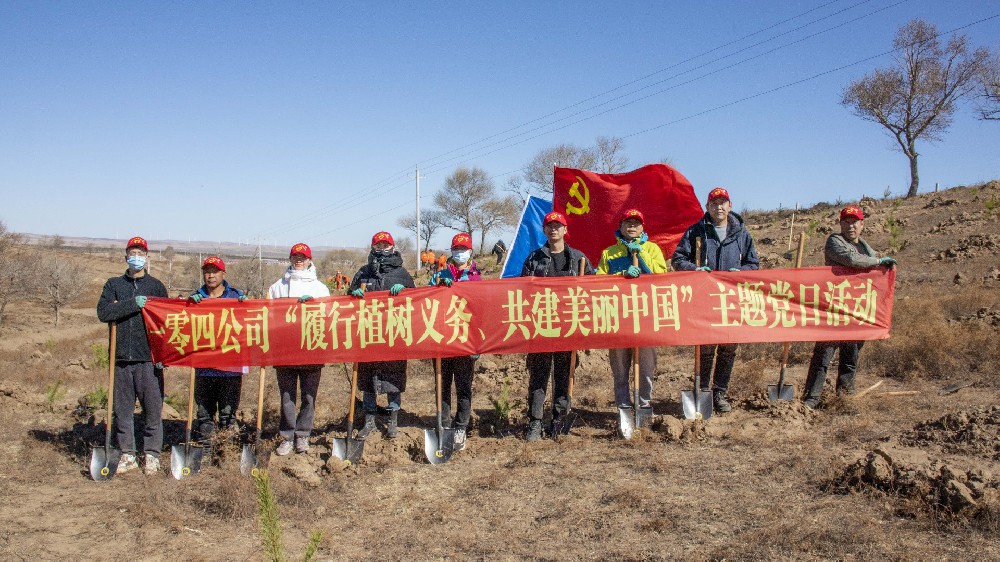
<point x="185" y="460"/>
<point x="439" y="451"/>
<point x="348" y="450"/>
<point x="784" y="392"/>
<point x="248" y="459"/>
<point x="101" y="466"/>
<point x="644" y="417"/>
<point x="626" y="422"/>
<point x="700" y="410"/>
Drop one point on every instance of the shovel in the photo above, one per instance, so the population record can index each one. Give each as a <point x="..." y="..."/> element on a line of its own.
<point x="248" y="460"/>
<point x="349" y="449"/>
<point x="562" y="424"/>
<point x="439" y="443"/>
<point x="782" y="391"/>
<point x="628" y="418"/>
<point x="186" y="459"/>
<point x="697" y="405"/>
<point x="102" y="467"/>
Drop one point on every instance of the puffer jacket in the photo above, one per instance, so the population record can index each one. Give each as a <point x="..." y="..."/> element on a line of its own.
<point x="616" y="259"/>
<point x="380" y="274"/>
<point x="736" y="251"/>
<point x="298" y="283"/>
<point x="540" y="263"/>
<point x="117" y="304"/>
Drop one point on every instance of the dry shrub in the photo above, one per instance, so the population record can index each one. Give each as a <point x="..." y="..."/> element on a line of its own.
<point x="631" y="496"/>
<point x="227" y="495"/>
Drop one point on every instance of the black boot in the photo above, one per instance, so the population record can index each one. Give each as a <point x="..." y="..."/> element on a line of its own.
<point x="369" y="427"/>
<point x="393" y="429"/>
<point x="721" y="404"/>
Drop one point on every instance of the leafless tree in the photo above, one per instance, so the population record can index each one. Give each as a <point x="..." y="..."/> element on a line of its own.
<point x="468" y="202"/>
<point x="609" y="155"/>
<point x="495" y="214"/>
<point x="538" y="173"/>
<point x="59" y="282"/>
<point x="168" y="254"/>
<point x="988" y="101"/>
<point x="917" y="97"/>
<point x="15" y="266"/>
<point x="430" y="222"/>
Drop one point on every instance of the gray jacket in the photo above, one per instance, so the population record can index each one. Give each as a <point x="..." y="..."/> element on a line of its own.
<point x="839" y="251"/>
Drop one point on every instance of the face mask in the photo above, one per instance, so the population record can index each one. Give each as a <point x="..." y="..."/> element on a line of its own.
<point x="136" y="263"/>
<point x="382" y="253"/>
<point x="461" y="256"/>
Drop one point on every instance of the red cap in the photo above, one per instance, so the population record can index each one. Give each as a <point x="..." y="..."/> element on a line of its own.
<point x="137" y="242"/>
<point x="383" y="237"/>
<point x="214" y="260"/>
<point x="555" y="216"/>
<point x="717" y="193"/>
<point x="852" y="211"/>
<point x="633" y="214"/>
<point x="461" y="240"/>
<point x="301" y="248"/>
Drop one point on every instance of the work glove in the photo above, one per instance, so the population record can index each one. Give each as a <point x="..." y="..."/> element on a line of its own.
<point x="396" y="289"/>
<point x="734" y="269"/>
<point x="243" y="298"/>
<point x="634" y="247"/>
<point x="703" y="268"/>
<point x="888" y="262"/>
<point x="305" y="298"/>
<point x="358" y="293"/>
<point x="158" y="365"/>
<point x="195" y="298"/>
<point x="446" y="281"/>
<point x="632" y="272"/>
<point x="141" y="301"/>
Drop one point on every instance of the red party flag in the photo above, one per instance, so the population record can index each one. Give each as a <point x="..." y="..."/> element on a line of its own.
<point x="594" y="203"/>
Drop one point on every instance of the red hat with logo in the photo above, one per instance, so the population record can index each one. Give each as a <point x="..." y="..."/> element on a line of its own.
<point x="461" y="240"/>
<point x="137" y="242"/>
<point x="852" y="211"/>
<point x="633" y="214"/>
<point x="215" y="261"/>
<point x="717" y="193"/>
<point x="301" y="248"/>
<point x="383" y="237"/>
<point x="555" y="216"/>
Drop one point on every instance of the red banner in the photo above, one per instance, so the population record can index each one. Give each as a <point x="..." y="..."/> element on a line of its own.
<point x="527" y="314"/>
<point x="593" y="204"/>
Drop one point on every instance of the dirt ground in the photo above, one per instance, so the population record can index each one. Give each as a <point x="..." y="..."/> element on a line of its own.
<point x="906" y="471"/>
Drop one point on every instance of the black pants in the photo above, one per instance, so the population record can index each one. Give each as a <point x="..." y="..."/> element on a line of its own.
<point x="723" y="362"/>
<point x="216" y="394"/>
<point x="143" y="381"/>
<point x="459" y="370"/>
<point x="822" y="356"/>
<point x="540" y="366"/>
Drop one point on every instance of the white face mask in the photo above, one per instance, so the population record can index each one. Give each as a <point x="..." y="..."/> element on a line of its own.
<point x="461" y="256"/>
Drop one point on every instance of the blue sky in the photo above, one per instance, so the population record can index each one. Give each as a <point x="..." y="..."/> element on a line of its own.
<point x="303" y="121"/>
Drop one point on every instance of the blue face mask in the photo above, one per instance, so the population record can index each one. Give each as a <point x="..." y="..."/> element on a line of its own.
<point x="135" y="263"/>
<point x="461" y="256"/>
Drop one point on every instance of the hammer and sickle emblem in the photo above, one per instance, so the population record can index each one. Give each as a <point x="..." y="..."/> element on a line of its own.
<point x="581" y="193"/>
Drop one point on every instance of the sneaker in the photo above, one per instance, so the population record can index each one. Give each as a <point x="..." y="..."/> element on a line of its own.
<point x="301" y="444"/>
<point x="534" y="430"/>
<point x="721" y="404"/>
<point x="152" y="465"/>
<point x="459" y="439"/>
<point x="284" y="449"/>
<point x="811" y="403"/>
<point x="126" y="463"/>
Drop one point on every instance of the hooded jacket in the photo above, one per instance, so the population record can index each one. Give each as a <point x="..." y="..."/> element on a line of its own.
<point x="117" y="304"/>
<point x="298" y="283"/>
<point x="616" y="259"/>
<point x="735" y="251"/>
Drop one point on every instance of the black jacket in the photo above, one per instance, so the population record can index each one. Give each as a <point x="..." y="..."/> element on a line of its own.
<point x="735" y="251"/>
<point x="117" y="304"/>
<point x="540" y="264"/>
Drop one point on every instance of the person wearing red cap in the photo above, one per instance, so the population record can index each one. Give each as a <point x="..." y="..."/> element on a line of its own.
<point x="726" y="245"/>
<point x="121" y="302"/>
<point x="844" y="249"/>
<point x="457" y="370"/>
<point x="555" y="259"/>
<point x="302" y="282"/>
<point x="617" y="260"/>
<point x="216" y="390"/>
<point x="384" y="271"/>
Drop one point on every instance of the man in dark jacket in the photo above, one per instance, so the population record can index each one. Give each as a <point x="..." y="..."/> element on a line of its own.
<point x="121" y="302"/>
<point x="384" y="270"/>
<point x="554" y="259"/>
<point x="216" y="390"/>
<point x="846" y="249"/>
<point x="726" y="245"/>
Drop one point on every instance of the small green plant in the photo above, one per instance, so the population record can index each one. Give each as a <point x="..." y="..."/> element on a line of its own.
<point x="178" y="403"/>
<point x="270" y="523"/>
<point x="49" y="345"/>
<point x="503" y="406"/>
<point x="98" y="356"/>
<point x="992" y="206"/>
<point x="887" y="193"/>
<point x="97" y="398"/>
<point x="895" y="229"/>
<point x="54" y="392"/>
<point x="811" y="227"/>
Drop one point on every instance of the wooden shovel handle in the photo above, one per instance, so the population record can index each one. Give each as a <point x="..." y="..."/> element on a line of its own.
<point x="112" y="345"/>
<point x="190" y="403"/>
<point x="572" y="356"/>
<point x="354" y="385"/>
<point x="260" y="398"/>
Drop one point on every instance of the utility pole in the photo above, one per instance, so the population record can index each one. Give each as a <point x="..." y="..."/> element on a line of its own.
<point x="416" y="176"/>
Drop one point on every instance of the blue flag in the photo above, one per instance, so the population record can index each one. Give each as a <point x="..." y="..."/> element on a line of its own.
<point x="528" y="237"/>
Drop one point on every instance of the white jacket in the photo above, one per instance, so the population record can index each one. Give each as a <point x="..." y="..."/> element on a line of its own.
<point x="296" y="283"/>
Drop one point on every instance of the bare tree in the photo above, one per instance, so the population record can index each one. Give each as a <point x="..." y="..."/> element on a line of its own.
<point x="59" y="282"/>
<point x="494" y="214"/>
<point x="15" y="265"/>
<point x="468" y="202"/>
<point x="430" y="222"/>
<point x="538" y="173"/>
<point x="917" y="98"/>
<point x="609" y="155"/>
<point x="988" y="101"/>
<point x="169" y="254"/>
